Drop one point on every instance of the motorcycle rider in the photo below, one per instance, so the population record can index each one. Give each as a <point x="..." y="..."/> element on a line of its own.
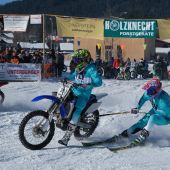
<point x="87" y="77"/>
<point x="158" y="115"/>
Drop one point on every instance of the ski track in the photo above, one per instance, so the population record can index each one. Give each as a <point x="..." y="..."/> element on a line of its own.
<point x="122" y="95"/>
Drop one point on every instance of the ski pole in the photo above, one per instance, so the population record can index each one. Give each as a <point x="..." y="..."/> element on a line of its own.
<point x="109" y="114"/>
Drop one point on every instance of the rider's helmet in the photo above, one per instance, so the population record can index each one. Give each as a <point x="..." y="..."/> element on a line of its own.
<point x="81" y="58"/>
<point x="153" y="86"/>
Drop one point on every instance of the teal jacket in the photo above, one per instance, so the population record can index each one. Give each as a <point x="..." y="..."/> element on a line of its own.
<point x="160" y="103"/>
<point x="89" y="77"/>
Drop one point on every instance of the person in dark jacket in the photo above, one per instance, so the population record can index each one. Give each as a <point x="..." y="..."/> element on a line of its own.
<point x="59" y="63"/>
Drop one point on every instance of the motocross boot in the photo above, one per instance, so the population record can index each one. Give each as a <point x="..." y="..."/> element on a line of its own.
<point x="67" y="135"/>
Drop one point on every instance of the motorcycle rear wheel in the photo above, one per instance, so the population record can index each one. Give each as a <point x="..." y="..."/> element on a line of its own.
<point x="81" y="133"/>
<point x="37" y="132"/>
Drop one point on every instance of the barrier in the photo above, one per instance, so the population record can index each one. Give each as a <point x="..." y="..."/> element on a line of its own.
<point x="20" y="72"/>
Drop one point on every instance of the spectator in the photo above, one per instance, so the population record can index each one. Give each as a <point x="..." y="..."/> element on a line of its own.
<point x="116" y="66"/>
<point x="127" y="64"/>
<point x="59" y="63"/>
<point x="15" y="58"/>
<point x="160" y="68"/>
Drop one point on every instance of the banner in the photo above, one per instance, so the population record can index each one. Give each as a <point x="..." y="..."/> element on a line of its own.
<point x="80" y="27"/>
<point x="164" y="28"/>
<point x="35" y="19"/>
<point x="20" y="72"/>
<point x="130" y="28"/>
<point x="15" y="23"/>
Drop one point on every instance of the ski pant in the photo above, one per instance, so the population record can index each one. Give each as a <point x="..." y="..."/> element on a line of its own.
<point x="80" y="104"/>
<point x="147" y="122"/>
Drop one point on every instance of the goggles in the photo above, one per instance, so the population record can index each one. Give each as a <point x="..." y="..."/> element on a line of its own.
<point x="77" y="60"/>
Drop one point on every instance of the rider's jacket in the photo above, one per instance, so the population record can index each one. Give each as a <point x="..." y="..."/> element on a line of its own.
<point x="87" y="79"/>
<point x="160" y="102"/>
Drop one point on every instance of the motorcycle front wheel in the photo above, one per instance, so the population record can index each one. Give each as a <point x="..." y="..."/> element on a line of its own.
<point x="2" y="97"/>
<point x="35" y="130"/>
<point x="100" y="70"/>
<point x="133" y="75"/>
<point x="91" y="119"/>
<point x="65" y="68"/>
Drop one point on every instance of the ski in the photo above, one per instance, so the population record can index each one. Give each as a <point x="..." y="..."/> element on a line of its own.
<point x="110" y="140"/>
<point x="115" y="149"/>
<point x="131" y="145"/>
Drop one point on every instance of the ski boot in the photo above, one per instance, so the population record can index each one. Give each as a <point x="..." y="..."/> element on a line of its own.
<point x="141" y="139"/>
<point x="67" y="135"/>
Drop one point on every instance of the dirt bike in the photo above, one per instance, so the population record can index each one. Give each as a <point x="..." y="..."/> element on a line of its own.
<point x="2" y="95"/>
<point x="40" y="125"/>
<point x="124" y="73"/>
<point x="144" y="73"/>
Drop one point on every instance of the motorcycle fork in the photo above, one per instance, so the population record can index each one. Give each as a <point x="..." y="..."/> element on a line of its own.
<point x="52" y="110"/>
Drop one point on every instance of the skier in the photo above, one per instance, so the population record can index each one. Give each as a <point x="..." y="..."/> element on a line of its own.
<point x="158" y="115"/>
<point x="87" y="77"/>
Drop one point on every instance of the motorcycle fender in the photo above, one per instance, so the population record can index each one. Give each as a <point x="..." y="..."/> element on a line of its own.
<point x="49" y="97"/>
<point x="100" y="95"/>
<point x="93" y="107"/>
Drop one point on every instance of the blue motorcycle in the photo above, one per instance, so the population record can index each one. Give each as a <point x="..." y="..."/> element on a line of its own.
<point x="37" y="128"/>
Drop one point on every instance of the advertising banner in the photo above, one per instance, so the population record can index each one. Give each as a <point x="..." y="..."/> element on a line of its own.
<point x="80" y="27"/>
<point x="20" y="72"/>
<point x="164" y="28"/>
<point x="15" y="23"/>
<point x="35" y="19"/>
<point x="130" y="28"/>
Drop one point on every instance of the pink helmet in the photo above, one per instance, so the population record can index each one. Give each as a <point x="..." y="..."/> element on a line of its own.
<point x="153" y="86"/>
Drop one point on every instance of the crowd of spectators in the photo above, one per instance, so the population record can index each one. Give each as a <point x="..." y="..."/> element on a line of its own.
<point x="16" y="56"/>
<point x="141" y="67"/>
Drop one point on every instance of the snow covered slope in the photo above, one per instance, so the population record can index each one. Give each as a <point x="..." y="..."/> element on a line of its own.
<point x="122" y="96"/>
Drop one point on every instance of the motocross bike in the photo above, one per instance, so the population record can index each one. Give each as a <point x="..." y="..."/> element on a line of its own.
<point x="2" y="95"/>
<point x="124" y="73"/>
<point x="140" y="71"/>
<point x="37" y="128"/>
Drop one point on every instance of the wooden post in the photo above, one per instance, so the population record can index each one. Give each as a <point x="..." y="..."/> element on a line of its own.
<point x="43" y="22"/>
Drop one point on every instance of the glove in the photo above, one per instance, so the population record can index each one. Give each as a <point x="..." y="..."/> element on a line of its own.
<point x="134" y="111"/>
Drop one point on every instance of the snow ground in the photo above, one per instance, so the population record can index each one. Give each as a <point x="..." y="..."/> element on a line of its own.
<point x="122" y="96"/>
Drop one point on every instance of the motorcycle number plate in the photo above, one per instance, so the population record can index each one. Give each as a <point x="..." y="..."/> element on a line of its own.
<point x="62" y="91"/>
